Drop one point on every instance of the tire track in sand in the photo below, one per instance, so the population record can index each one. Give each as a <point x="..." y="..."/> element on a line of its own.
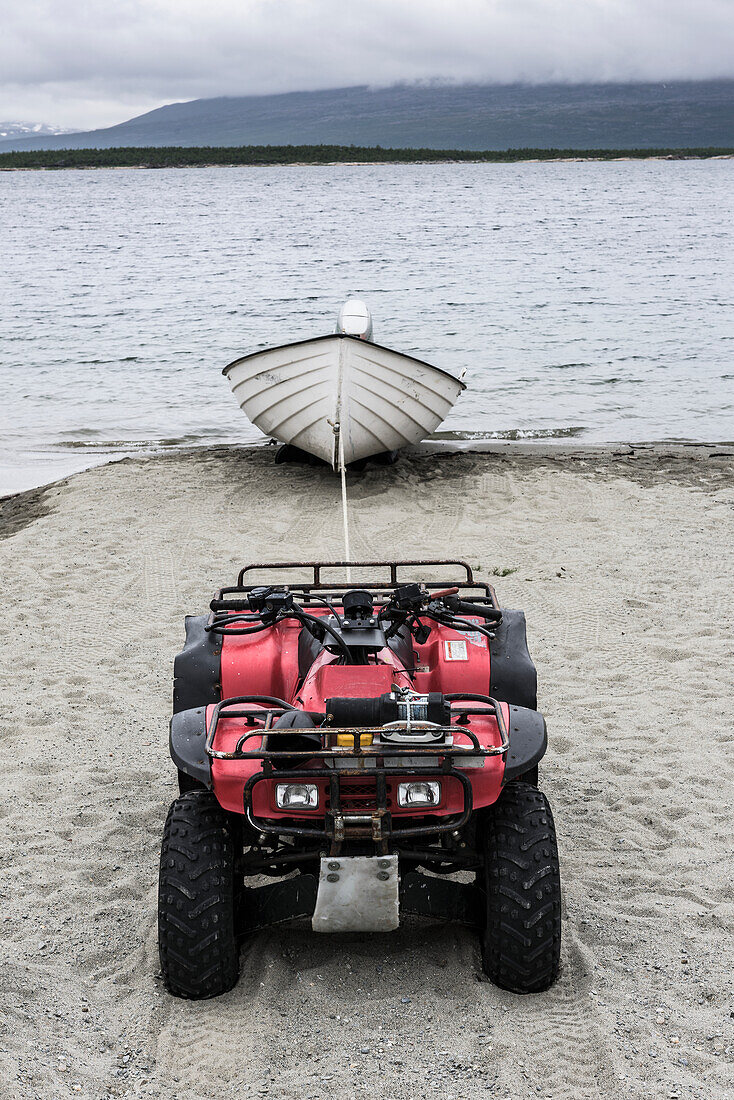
<point x="555" y="1044"/>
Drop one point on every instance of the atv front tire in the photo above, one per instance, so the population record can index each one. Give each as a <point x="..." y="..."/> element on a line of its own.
<point x="196" y="904"/>
<point x="522" y="938"/>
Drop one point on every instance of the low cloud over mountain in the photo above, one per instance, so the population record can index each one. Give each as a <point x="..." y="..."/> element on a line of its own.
<point x="95" y="65"/>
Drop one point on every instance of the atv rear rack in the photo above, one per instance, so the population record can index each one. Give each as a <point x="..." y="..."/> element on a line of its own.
<point x="393" y="566"/>
<point x="317" y="584"/>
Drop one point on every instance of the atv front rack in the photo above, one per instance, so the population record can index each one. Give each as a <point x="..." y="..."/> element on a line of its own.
<point x="377" y="823"/>
<point x="270" y="709"/>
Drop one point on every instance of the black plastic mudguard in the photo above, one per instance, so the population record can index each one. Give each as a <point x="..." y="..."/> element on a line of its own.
<point x="188" y="744"/>
<point x="512" y="675"/>
<point x="197" y="669"/>
<point x="528" y="741"/>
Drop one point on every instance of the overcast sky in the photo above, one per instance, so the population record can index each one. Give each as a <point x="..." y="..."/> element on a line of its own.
<point x="72" y="63"/>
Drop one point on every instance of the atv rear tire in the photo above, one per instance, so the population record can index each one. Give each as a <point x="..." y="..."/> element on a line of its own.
<point x="196" y="905"/>
<point x="522" y="939"/>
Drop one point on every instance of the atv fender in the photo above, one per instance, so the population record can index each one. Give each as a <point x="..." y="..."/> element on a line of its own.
<point x="528" y="742"/>
<point x="188" y="745"/>
<point x="197" y="669"/>
<point x="513" y="678"/>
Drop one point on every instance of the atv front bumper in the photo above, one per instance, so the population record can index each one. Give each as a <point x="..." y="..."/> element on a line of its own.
<point x="446" y="755"/>
<point x="252" y="755"/>
<point x="376" y="823"/>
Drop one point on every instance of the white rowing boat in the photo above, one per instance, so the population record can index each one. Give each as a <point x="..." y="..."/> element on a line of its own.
<point x="342" y="397"/>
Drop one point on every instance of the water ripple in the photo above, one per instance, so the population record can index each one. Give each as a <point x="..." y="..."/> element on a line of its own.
<point x="554" y="285"/>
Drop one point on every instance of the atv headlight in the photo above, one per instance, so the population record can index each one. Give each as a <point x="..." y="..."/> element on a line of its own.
<point x="296" y="796"/>
<point x="422" y="793"/>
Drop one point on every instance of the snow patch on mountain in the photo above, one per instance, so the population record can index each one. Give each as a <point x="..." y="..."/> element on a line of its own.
<point x="27" y="129"/>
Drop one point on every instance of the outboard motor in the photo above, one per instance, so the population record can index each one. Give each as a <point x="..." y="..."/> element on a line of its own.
<point x="355" y="319"/>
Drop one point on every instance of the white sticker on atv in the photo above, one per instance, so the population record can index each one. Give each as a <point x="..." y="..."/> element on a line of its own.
<point x="456" y="650"/>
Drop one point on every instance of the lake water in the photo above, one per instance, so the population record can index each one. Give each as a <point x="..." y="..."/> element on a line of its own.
<point x="592" y="300"/>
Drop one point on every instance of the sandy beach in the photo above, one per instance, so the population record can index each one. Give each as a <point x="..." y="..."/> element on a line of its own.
<point x="622" y="560"/>
<point x="682" y="154"/>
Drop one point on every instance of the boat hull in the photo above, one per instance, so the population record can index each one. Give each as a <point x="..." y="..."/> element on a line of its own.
<point x="340" y="398"/>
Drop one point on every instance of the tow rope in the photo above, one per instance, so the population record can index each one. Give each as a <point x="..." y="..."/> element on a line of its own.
<point x="345" y="511"/>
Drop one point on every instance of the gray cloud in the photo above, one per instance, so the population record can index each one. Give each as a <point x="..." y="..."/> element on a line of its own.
<point x="71" y="63"/>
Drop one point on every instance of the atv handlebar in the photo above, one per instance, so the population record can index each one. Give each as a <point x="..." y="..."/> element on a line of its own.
<point x="250" y="610"/>
<point x="464" y="608"/>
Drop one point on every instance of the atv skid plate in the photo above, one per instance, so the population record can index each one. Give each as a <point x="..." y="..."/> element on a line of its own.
<point x="357" y="894"/>
<point x="414" y="893"/>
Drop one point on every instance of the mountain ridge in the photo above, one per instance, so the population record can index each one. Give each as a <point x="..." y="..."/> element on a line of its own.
<point x="467" y="116"/>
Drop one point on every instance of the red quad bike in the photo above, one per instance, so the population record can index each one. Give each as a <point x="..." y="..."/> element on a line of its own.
<point x="357" y="745"/>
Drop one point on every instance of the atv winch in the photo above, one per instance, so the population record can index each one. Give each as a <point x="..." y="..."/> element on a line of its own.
<point x="343" y="741"/>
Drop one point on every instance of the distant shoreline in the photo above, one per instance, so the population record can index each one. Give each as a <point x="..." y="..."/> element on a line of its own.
<point x="267" y="156"/>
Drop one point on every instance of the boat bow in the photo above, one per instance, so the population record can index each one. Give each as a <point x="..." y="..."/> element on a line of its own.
<point x="341" y="392"/>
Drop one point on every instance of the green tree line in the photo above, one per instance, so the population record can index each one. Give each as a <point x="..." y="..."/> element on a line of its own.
<point x="175" y="156"/>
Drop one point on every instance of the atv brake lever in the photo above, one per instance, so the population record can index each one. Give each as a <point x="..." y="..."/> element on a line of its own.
<point x="444" y="617"/>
